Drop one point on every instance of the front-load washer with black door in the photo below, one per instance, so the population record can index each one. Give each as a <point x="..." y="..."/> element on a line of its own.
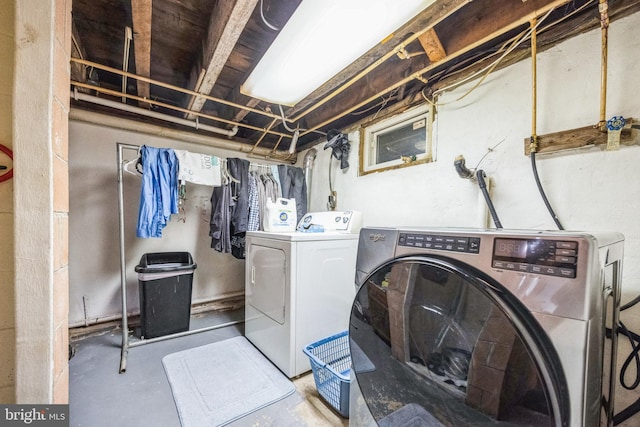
<point x="464" y="327"/>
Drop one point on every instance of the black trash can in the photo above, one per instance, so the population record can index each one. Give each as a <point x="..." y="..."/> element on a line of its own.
<point x="165" y="282"/>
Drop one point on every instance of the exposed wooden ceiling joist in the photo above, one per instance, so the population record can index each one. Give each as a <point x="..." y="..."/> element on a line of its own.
<point x="227" y="21"/>
<point x="378" y="79"/>
<point x="240" y="115"/>
<point x="141" y="14"/>
<point x="223" y="40"/>
<point x="77" y="50"/>
<point x="432" y="46"/>
<point x="432" y="15"/>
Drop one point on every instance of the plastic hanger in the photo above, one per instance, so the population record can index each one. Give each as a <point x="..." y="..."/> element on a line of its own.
<point x="226" y="175"/>
<point x="135" y="162"/>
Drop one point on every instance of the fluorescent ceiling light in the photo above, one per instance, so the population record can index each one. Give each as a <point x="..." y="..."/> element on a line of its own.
<point x="320" y="39"/>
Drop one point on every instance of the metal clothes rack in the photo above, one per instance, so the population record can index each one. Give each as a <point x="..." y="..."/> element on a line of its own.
<point x="126" y="344"/>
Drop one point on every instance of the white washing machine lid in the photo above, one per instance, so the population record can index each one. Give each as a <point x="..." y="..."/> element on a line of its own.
<point x="298" y="236"/>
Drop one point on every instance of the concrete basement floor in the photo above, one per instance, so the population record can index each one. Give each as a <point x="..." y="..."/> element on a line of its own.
<point x="141" y="396"/>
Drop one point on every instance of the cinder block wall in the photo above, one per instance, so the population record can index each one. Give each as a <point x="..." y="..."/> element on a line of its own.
<point x="40" y="101"/>
<point x="60" y="152"/>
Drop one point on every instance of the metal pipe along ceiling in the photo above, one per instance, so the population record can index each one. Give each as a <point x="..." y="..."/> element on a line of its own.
<point x="163" y="132"/>
<point x="416" y="75"/>
<point x="143" y="112"/>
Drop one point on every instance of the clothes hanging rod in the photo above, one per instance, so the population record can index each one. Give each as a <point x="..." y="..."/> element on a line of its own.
<point x="126" y="344"/>
<point x="175" y="134"/>
<point x="224" y="159"/>
<point x="124" y="348"/>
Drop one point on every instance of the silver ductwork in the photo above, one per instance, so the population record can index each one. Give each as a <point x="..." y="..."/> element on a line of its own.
<point x="309" y="158"/>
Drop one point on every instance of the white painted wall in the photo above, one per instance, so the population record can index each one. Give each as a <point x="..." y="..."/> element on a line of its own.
<point x="589" y="189"/>
<point x="94" y="261"/>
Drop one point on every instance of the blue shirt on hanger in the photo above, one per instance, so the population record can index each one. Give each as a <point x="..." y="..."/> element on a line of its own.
<point x="159" y="190"/>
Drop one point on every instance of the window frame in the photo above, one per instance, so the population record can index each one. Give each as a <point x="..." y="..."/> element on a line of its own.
<point x="369" y="130"/>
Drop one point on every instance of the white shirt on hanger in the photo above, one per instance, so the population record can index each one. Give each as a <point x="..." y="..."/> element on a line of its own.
<point x="198" y="168"/>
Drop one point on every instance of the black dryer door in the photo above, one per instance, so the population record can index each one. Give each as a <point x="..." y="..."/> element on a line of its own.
<point x="443" y="342"/>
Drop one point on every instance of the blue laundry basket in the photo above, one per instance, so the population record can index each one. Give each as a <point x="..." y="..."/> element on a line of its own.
<point x="331" y="365"/>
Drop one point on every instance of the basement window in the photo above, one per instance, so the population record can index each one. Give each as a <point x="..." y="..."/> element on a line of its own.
<point x="397" y="141"/>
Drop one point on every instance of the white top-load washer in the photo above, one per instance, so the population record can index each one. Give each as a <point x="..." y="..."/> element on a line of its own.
<point x="299" y="286"/>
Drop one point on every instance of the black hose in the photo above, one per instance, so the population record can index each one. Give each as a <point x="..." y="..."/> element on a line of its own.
<point x="634" y="340"/>
<point x="631" y="303"/>
<point x="483" y="187"/>
<point x="541" y="190"/>
<point x="626" y="413"/>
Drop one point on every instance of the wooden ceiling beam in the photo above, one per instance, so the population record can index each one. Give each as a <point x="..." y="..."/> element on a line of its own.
<point x="78" y="71"/>
<point x="141" y="11"/>
<point x="240" y="115"/>
<point x="479" y="22"/>
<point x="432" y="45"/>
<point x="428" y="18"/>
<point x="478" y="33"/>
<point x="228" y="19"/>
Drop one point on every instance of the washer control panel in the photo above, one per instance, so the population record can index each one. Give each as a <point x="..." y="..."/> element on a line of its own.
<point x="549" y="257"/>
<point x="436" y="241"/>
<point x="538" y="256"/>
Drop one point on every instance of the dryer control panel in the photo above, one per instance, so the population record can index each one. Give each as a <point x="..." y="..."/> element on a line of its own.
<point x="539" y="256"/>
<point x="344" y="221"/>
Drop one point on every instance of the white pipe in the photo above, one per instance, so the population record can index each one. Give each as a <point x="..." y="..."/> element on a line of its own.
<point x="294" y="142"/>
<point x="128" y="36"/>
<point x="132" y="109"/>
<point x="155" y="130"/>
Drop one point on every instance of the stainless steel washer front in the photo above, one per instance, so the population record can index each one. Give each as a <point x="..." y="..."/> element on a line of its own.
<point x="460" y="327"/>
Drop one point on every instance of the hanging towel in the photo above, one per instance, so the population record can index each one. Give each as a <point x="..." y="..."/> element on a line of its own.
<point x="198" y="168"/>
<point x="159" y="190"/>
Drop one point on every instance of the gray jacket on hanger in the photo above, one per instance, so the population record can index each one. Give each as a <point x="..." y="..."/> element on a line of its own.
<point x="294" y="187"/>
<point x="239" y="169"/>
